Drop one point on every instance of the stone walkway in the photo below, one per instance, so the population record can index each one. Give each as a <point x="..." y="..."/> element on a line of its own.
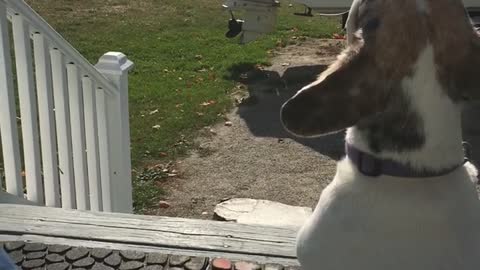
<point x="37" y="256"/>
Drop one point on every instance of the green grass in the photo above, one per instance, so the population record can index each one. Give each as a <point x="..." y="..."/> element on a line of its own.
<point x="182" y="60"/>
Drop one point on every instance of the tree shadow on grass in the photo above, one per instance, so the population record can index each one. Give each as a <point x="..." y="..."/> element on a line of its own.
<point x="268" y="90"/>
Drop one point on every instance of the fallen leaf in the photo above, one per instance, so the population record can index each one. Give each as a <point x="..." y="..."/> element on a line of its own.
<point x="164" y="204"/>
<point x="338" y="36"/>
<point x="208" y="103"/>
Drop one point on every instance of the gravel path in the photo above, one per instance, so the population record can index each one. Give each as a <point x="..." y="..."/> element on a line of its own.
<point x="251" y="155"/>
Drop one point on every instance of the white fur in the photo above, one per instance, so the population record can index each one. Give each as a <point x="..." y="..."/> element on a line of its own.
<point x="441" y="120"/>
<point x="391" y="223"/>
<point x="351" y="25"/>
<point x="365" y="223"/>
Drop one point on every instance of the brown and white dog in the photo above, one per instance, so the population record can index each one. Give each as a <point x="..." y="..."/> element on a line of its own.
<point x="398" y="88"/>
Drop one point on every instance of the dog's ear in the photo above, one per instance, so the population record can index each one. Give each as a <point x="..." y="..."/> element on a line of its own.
<point x="346" y="92"/>
<point x="468" y="76"/>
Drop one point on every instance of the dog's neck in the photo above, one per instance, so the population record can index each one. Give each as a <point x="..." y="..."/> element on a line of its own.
<point x="421" y="129"/>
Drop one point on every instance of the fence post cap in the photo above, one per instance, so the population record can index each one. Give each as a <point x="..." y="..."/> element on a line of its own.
<point x="114" y="63"/>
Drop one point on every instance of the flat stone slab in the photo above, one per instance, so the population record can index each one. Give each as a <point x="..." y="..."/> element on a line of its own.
<point x="262" y="212"/>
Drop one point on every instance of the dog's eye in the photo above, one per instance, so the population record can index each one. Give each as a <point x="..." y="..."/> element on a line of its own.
<point x="371" y="25"/>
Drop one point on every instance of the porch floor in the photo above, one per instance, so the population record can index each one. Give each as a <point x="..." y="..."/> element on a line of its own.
<point x="54" y="238"/>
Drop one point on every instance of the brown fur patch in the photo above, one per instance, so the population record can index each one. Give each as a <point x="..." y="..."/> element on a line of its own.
<point x="399" y="39"/>
<point x="386" y="38"/>
<point x="360" y="82"/>
<point x="456" y="48"/>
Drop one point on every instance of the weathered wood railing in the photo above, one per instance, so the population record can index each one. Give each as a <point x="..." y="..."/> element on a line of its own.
<point x="74" y="118"/>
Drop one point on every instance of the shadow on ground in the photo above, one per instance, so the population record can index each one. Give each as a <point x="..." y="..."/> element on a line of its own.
<point x="268" y="90"/>
<point x="471" y="129"/>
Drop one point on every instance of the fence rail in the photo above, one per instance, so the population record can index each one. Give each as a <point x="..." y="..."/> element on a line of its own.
<point x="74" y="125"/>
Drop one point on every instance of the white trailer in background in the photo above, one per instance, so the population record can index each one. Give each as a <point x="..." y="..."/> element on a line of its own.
<point x="259" y="16"/>
<point x="338" y="6"/>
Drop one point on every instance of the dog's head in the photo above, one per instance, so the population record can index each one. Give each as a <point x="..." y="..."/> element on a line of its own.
<point x="385" y="39"/>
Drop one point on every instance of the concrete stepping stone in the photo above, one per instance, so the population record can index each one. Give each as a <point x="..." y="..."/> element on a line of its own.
<point x="262" y="212"/>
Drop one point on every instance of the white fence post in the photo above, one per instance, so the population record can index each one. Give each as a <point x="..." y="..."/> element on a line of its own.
<point x="8" y="115"/>
<point x="75" y="96"/>
<point x="64" y="131"/>
<point x="48" y="135"/>
<point x="115" y="66"/>
<point x="28" y="108"/>
<point x="91" y="136"/>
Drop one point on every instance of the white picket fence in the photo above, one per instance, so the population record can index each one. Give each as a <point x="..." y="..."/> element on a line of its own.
<point x="74" y="118"/>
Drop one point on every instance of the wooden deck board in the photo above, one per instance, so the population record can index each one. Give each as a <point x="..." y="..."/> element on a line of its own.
<point x="148" y="233"/>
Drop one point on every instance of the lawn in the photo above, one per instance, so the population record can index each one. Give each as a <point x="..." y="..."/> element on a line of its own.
<point x="183" y="64"/>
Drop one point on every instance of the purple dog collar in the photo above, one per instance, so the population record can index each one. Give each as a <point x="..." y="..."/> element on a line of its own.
<point x="370" y="165"/>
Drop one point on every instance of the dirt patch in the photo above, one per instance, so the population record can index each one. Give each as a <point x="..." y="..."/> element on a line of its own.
<point x="54" y="9"/>
<point x="252" y="156"/>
